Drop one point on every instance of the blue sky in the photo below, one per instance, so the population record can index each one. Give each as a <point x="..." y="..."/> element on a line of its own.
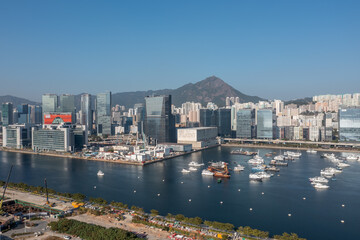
<point x="273" y="49"/>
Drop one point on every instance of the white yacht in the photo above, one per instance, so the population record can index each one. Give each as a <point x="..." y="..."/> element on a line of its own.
<point x="256" y="160"/>
<point x="254" y="176"/>
<point x="311" y="151"/>
<point x="100" y="173"/>
<point x="352" y="157"/>
<point x="321" y="186"/>
<point x="264" y="174"/>
<point x="239" y="168"/>
<point x="195" y="164"/>
<point x="218" y="164"/>
<point x="279" y="157"/>
<point x="315" y="180"/>
<point x="185" y="170"/>
<point x="330" y="171"/>
<point x="292" y="154"/>
<point x="207" y="172"/>
<point x="192" y="169"/>
<point x="342" y="164"/>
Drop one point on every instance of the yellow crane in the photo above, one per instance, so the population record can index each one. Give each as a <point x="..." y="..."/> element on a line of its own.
<point x="6" y="184"/>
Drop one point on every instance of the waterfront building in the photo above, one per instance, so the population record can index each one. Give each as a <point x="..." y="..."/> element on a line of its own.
<point x="198" y="137"/>
<point x="86" y="112"/>
<point x="7" y="114"/>
<point x="349" y="124"/>
<point x="223" y="121"/>
<point x="65" y="137"/>
<point x="17" y="136"/>
<point x="49" y="104"/>
<point x="103" y="113"/>
<point x="245" y="124"/>
<point x="207" y="117"/>
<point x="23" y="114"/>
<point x="264" y="124"/>
<point x="159" y="120"/>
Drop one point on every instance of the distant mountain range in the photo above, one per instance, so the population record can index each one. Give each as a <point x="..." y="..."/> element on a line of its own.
<point x="211" y="89"/>
<point x="16" y="100"/>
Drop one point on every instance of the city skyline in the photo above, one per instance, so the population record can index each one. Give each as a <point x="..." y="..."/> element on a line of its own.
<point x="63" y="47"/>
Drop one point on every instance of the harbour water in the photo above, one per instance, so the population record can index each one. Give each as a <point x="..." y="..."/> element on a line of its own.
<point x="162" y="186"/>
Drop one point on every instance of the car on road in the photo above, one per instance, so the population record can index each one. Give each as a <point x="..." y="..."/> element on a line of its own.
<point x="67" y="237"/>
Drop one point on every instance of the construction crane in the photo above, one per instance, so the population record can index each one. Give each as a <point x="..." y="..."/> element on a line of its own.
<point x="6" y="184"/>
<point x="47" y="195"/>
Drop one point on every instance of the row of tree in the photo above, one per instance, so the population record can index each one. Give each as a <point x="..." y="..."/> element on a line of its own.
<point x="90" y="231"/>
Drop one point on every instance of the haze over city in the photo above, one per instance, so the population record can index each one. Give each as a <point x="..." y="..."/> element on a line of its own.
<point x="271" y="49"/>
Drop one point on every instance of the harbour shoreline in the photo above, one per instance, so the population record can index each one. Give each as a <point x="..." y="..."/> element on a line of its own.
<point x="286" y="148"/>
<point x="106" y="160"/>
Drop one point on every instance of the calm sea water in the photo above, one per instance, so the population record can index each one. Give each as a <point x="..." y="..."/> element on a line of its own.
<point x="317" y="217"/>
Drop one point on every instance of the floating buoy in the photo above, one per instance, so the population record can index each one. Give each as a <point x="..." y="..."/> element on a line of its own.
<point x="250" y="209"/>
<point x="342" y="221"/>
<point x="182" y="182"/>
<point x="163" y="180"/>
<point x="221" y="202"/>
<point x="190" y="200"/>
<point x="239" y="190"/>
<point x="343" y="205"/>
<point x="208" y="186"/>
<point x="279" y="175"/>
<point x="304" y="198"/>
<point x="94" y="186"/>
<point x="158" y="194"/>
<point x="289" y="214"/>
<point x="138" y="177"/>
<point x="262" y="193"/>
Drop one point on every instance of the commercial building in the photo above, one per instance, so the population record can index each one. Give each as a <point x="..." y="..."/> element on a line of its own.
<point x="17" y="136"/>
<point x="264" y="124"/>
<point x="103" y="113"/>
<point x="198" y="137"/>
<point x="67" y="105"/>
<point x="23" y="114"/>
<point x="245" y="123"/>
<point x="223" y="121"/>
<point x="349" y="124"/>
<point x="159" y="122"/>
<point x="86" y="112"/>
<point x="49" y="103"/>
<point x="7" y="114"/>
<point x="60" y="137"/>
<point x="35" y="114"/>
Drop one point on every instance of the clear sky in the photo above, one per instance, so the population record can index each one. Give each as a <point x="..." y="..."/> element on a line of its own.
<point x="272" y="48"/>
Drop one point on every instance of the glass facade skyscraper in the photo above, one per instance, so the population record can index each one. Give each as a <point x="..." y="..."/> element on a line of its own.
<point x="7" y="114"/>
<point x="245" y="123"/>
<point x="49" y="104"/>
<point x="223" y="121"/>
<point x="264" y="124"/>
<point x="103" y="113"/>
<point x="86" y="111"/>
<point x="159" y="121"/>
<point x="349" y="124"/>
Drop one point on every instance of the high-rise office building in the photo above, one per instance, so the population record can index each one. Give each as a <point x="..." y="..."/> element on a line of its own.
<point x="159" y="121"/>
<point x="23" y="113"/>
<point x="7" y="114"/>
<point x="103" y="113"/>
<point x="67" y="105"/>
<point x="86" y="111"/>
<point x="223" y="121"/>
<point x="264" y="124"/>
<point x="49" y="104"/>
<point x="35" y="114"/>
<point x="245" y="123"/>
<point x="349" y="124"/>
<point x="207" y="117"/>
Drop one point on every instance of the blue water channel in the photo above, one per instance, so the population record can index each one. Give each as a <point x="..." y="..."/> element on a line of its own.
<point x="317" y="217"/>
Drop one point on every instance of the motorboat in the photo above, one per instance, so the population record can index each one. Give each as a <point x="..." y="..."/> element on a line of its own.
<point x="192" y="169"/>
<point x="258" y="168"/>
<point x="185" y="170"/>
<point x="218" y="164"/>
<point x="318" y="180"/>
<point x="292" y="154"/>
<point x="239" y="168"/>
<point x="195" y="164"/>
<point x="330" y="171"/>
<point x="207" y="172"/>
<point x="279" y="157"/>
<point x="254" y="176"/>
<point x="342" y="164"/>
<point x="264" y="174"/>
<point x="320" y="186"/>
<point x="311" y="151"/>
<point x="352" y="157"/>
<point x="256" y="160"/>
<point x="100" y="173"/>
<point x="278" y="163"/>
<point x="272" y="169"/>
